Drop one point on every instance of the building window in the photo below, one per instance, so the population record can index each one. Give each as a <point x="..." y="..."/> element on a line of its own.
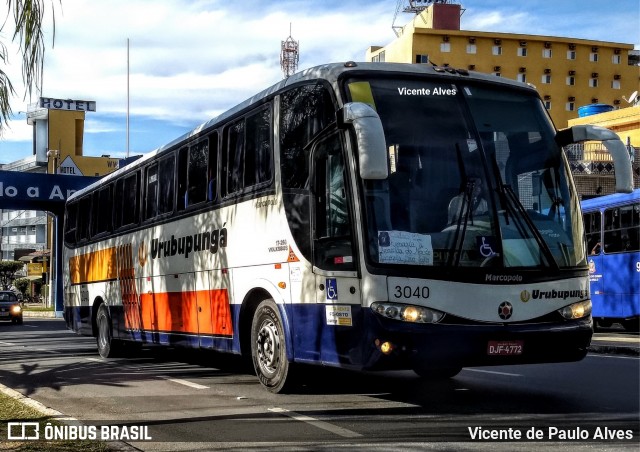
<point x="379" y="58"/>
<point x="571" y="54"/>
<point x="615" y="84"/>
<point x="497" y="74"/>
<point x="522" y="78"/>
<point x="522" y="51"/>
<point x="571" y="80"/>
<point x="422" y="59"/>
<point x="616" y="59"/>
<point x="472" y="48"/>
<point x="546" y="78"/>
<point x="571" y="106"/>
<point x="445" y="47"/>
<point x="593" y="57"/>
<point x="547" y="104"/>
<point x="593" y="83"/>
<point x="497" y="50"/>
<point x="546" y="53"/>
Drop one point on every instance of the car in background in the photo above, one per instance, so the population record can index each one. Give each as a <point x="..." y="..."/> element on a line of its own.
<point x="10" y="307"/>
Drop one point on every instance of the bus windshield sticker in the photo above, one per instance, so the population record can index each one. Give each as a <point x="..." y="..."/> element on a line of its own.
<point x="332" y="289"/>
<point x="361" y="92"/>
<point x="401" y="247"/>
<point x="339" y="315"/>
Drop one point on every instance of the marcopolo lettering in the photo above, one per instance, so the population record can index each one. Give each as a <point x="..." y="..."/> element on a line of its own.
<point x="503" y="278"/>
<point x="184" y="246"/>
<point x="557" y="294"/>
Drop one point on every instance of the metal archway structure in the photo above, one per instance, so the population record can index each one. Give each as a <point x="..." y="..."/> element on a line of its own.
<point x="46" y="192"/>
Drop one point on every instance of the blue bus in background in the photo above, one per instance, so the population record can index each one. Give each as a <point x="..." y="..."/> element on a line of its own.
<point x="612" y="227"/>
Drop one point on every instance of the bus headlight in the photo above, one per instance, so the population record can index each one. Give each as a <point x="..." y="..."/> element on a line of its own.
<point x="407" y="313"/>
<point x="576" y="310"/>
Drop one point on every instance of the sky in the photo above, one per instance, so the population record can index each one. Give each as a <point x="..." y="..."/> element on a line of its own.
<point x="190" y="60"/>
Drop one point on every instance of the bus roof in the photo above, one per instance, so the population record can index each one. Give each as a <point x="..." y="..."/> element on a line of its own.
<point x="329" y="72"/>
<point x="613" y="200"/>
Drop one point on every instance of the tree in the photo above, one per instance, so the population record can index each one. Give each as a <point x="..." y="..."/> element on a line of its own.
<point x="8" y="271"/>
<point x="22" y="285"/>
<point x="26" y="17"/>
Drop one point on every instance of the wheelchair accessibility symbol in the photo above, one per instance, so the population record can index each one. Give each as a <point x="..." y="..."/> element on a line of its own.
<point x="486" y="246"/>
<point x="332" y="289"/>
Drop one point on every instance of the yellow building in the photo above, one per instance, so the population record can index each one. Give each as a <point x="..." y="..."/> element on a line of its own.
<point x="567" y="72"/>
<point x="59" y="136"/>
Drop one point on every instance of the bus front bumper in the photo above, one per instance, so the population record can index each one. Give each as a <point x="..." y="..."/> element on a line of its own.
<point x="393" y="344"/>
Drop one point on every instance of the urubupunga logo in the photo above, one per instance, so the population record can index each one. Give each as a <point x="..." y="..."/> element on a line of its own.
<point x="183" y="246"/>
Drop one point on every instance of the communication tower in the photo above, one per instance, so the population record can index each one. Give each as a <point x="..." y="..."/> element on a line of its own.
<point x="289" y="55"/>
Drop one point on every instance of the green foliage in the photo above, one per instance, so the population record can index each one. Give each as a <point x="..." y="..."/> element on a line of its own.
<point x="23" y="22"/>
<point x="8" y="271"/>
<point x="22" y="285"/>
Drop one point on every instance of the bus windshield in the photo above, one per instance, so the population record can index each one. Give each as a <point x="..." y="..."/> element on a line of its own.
<point x="475" y="178"/>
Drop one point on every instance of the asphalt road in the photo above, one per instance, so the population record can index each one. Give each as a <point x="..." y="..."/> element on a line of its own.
<point x="204" y="401"/>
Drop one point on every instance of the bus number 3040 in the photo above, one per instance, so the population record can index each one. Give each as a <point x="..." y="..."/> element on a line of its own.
<point x="411" y="292"/>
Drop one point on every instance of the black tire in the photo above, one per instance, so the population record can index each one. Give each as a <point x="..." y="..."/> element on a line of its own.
<point x="269" y="349"/>
<point x="437" y="373"/>
<point x="632" y="325"/>
<point x="104" y="336"/>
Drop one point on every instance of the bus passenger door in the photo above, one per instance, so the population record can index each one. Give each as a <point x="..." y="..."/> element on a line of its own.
<point x="337" y="285"/>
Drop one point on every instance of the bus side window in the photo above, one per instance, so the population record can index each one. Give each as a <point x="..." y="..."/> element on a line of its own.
<point x="183" y="162"/>
<point x="160" y="187"/>
<point x="127" y="194"/>
<point x="84" y="219"/>
<point x="234" y="154"/>
<point x="193" y="178"/>
<point x="151" y="192"/>
<point x="622" y="229"/>
<point x="248" y="157"/>
<point x="212" y="168"/>
<point x="70" y="223"/>
<point x="592" y="228"/>
<point x="333" y="248"/>
<point x="102" y="211"/>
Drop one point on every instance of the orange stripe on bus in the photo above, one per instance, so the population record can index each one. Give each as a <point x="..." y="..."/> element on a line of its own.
<point x="93" y="267"/>
<point x="198" y="312"/>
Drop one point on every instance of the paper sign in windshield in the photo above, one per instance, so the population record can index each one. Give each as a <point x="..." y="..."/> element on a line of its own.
<point x="401" y="247"/>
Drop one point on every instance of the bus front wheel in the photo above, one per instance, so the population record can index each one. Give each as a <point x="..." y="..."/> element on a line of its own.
<point x="268" y="348"/>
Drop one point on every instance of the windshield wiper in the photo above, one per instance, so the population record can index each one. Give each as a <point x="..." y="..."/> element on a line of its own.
<point x="515" y="202"/>
<point x="464" y="213"/>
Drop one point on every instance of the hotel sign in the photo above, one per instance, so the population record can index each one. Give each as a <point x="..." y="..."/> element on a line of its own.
<point x="67" y="104"/>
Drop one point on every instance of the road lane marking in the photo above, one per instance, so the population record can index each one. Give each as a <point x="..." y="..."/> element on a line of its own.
<point x="596" y="355"/>
<point x="317" y="423"/>
<point x="493" y="372"/>
<point x="185" y="383"/>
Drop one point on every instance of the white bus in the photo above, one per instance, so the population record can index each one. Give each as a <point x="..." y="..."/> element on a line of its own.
<point x="365" y="216"/>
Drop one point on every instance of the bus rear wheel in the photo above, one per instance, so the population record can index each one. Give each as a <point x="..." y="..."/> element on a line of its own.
<point x="104" y="338"/>
<point x="269" y="349"/>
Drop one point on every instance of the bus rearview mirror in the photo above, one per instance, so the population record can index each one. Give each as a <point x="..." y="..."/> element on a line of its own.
<point x="372" y="151"/>
<point x="613" y="144"/>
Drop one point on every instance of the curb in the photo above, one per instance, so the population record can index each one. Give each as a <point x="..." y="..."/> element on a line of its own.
<point x="614" y="350"/>
<point x="119" y="446"/>
<point x="39" y="314"/>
